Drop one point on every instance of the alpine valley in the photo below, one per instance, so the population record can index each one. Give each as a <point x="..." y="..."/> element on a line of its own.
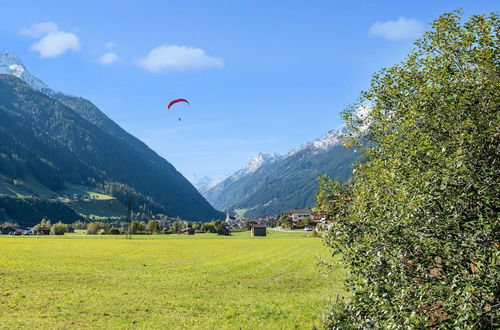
<point x="62" y="158"/>
<point x="271" y="184"/>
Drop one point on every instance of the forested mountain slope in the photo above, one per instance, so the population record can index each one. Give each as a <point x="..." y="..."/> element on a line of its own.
<point x="58" y="139"/>
<point x="280" y="183"/>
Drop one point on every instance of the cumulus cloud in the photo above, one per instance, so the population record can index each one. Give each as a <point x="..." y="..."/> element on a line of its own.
<point x="38" y="30"/>
<point x="398" y="30"/>
<point x="108" y="58"/>
<point x="180" y="58"/>
<point x="52" y="42"/>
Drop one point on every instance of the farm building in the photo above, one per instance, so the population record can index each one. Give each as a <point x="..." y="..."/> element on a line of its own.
<point x="8" y="230"/>
<point x="259" y="230"/>
<point x="188" y="231"/>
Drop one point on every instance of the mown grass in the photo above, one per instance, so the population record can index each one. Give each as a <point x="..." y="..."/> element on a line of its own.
<point x="164" y="282"/>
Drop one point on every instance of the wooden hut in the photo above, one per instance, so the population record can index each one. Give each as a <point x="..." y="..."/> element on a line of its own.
<point x="259" y="229"/>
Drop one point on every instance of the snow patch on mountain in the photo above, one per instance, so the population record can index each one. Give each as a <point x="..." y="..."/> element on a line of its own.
<point x="11" y="64"/>
<point x="260" y="160"/>
<point x="201" y="183"/>
<point x="253" y="165"/>
<point x="329" y="140"/>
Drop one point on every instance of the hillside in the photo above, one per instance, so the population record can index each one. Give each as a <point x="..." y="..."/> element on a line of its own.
<point x="54" y="139"/>
<point x="271" y="184"/>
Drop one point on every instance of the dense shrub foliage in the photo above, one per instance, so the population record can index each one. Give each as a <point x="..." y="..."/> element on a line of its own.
<point x="419" y="227"/>
<point x="58" y="228"/>
<point x="93" y="228"/>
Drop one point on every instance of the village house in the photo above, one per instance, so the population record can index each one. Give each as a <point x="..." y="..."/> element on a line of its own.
<point x="298" y="215"/>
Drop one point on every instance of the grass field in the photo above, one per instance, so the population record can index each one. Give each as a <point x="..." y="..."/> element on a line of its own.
<point x="165" y="281"/>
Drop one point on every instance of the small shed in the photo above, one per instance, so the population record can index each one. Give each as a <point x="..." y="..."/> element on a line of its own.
<point x="259" y="230"/>
<point x="188" y="231"/>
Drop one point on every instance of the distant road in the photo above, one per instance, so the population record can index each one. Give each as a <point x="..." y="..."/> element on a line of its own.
<point x="285" y="231"/>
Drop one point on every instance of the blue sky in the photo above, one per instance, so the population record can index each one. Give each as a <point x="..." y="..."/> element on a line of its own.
<point x="261" y="76"/>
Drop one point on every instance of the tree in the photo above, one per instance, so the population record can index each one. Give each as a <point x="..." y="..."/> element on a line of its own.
<point x="177" y="227"/>
<point x="9" y="224"/>
<point x="333" y="197"/>
<point x="93" y="228"/>
<point x="421" y="235"/>
<point x="219" y="226"/>
<point x="286" y="222"/>
<point x="44" y="224"/>
<point x="137" y="227"/>
<point x="208" y="227"/>
<point x="58" y="228"/>
<point x="154" y="227"/>
<point x="307" y="222"/>
<point x="248" y="224"/>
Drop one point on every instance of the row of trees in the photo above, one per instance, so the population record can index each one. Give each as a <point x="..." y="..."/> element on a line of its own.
<point x="152" y="227"/>
<point x="58" y="228"/>
<point x="418" y="226"/>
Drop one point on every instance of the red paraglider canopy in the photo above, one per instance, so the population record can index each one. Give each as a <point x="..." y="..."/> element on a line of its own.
<point x="177" y="101"/>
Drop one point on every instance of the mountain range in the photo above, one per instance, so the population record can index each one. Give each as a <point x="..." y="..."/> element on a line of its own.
<point x="271" y="184"/>
<point x="52" y="144"/>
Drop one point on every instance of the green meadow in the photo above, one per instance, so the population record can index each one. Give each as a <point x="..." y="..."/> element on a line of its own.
<point x="165" y="281"/>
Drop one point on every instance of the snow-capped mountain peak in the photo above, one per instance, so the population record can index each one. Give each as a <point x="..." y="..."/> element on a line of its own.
<point x="253" y="165"/>
<point x="11" y="64"/>
<point x="259" y="160"/>
<point x="200" y="183"/>
<point x="329" y="140"/>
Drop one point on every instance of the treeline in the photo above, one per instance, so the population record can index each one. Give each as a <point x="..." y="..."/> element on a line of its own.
<point x="30" y="211"/>
<point x="151" y="227"/>
<point x="139" y="202"/>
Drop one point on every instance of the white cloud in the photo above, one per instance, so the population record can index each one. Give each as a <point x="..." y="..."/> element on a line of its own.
<point x="180" y="58"/>
<point x="53" y="42"/>
<point x="56" y="43"/>
<point x="108" y="58"/>
<point x="398" y="30"/>
<point x="38" y="30"/>
<point x="110" y="45"/>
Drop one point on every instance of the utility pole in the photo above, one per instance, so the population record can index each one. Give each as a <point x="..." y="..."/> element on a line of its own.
<point x="129" y="218"/>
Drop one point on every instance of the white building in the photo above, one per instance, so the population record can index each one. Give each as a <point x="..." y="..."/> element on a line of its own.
<point x="298" y="215"/>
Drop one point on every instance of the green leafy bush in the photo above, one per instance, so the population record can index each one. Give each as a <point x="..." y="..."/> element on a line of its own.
<point x="419" y="229"/>
<point x="137" y="227"/>
<point x="58" y="228"/>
